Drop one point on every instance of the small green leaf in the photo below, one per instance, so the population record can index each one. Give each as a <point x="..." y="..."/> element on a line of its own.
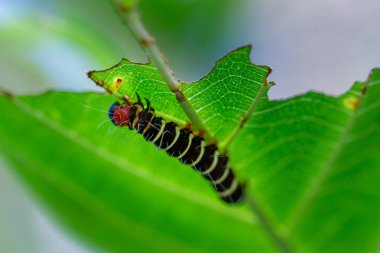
<point x="221" y="99"/>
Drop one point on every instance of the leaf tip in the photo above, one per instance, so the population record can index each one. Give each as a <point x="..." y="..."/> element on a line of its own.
<point x="92" y="75"/>
<point x="246" y="49"/>
<point x="113" y="81"/>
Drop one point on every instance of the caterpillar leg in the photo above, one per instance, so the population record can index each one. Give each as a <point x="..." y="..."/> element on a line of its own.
<point x="139" y="99"/>
<point x="148" y="107"/>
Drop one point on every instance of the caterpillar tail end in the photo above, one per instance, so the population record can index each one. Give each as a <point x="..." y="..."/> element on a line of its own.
<point x="237" y="196"/>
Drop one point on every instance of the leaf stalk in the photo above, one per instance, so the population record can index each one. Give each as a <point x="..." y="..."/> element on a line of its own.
<point x="263" y="90"/>
<point x="142" y="35"/>
<point x="282" y="246"/>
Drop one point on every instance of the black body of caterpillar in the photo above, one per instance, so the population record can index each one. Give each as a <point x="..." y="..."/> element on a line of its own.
<point x="182" y="144"/>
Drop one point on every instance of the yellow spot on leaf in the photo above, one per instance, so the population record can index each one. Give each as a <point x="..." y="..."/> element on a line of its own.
<point x="116" y="84"/>
<point x="351" y="103"/>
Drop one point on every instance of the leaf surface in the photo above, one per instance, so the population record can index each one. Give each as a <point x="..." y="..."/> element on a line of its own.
<point x="100" y="181"/>
<point x="314" y="161"/>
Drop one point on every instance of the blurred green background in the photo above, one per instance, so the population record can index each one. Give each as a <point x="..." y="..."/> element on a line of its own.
<point x="319" y="45"/>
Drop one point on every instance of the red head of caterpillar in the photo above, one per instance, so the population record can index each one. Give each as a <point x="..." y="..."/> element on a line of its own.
<point x="120" y="114"/>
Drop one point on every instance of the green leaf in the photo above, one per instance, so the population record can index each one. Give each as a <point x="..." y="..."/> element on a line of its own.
<point x="310" y="163"/>
<point x="221" y="99"/>
<point x="97" y="179"/>
<point x="313" y="161"/>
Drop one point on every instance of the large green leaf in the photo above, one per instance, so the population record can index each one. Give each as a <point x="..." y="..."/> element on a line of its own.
<point x="99" y="180"/>
<point x="314" y="161"/>
<point x="311" y="164"/>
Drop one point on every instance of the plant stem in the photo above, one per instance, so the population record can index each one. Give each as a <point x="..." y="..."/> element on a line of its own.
<point x="267" y="227"/>
<point x="148" y="43"/>
<point x="252" y="108"/>
<point x="137" y="28"/>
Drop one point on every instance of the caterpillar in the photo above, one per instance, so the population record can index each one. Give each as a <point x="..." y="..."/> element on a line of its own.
<point x="180" y="143"/>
